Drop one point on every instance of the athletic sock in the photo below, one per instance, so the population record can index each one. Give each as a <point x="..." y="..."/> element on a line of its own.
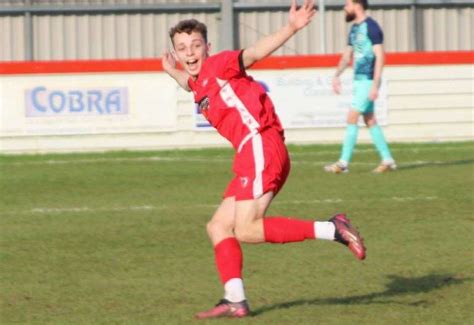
<point x="286" y="230"/>
<point x="234" y="290"/>
<point x="324" y="230"/>
<point x="350" y="141"/>
<point x="379" y="141"/>
<point x="228" y="256"/>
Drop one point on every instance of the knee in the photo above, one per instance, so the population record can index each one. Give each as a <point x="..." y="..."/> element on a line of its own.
<point x="353" y="117"/>
<point x="370" y="121"/>
<point x="218" y="230"/>
<point x="352" y="120"/>
<point x="213" y="228"/>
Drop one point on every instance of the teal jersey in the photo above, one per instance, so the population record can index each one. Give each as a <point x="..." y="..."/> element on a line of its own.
<point x="362" y="38"/>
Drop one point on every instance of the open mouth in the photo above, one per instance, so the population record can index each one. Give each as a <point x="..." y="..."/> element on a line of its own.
<point x="192" y="64"/>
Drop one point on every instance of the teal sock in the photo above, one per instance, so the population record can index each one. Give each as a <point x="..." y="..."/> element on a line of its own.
<point x="379" y="141"/>
<point x="349" y="142"/>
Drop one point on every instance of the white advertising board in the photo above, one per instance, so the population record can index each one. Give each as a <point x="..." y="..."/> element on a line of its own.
<point x="87" y="104"/>
<point x="305" y="99"/>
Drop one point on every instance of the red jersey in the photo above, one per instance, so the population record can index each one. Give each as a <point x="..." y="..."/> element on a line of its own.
<point x="232" y="101"/>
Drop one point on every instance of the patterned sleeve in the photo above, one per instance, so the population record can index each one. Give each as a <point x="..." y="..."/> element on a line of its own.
<point x="375" y="32"/>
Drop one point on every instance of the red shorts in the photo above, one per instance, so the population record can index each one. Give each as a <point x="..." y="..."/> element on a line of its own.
<point x="261" y="166"/>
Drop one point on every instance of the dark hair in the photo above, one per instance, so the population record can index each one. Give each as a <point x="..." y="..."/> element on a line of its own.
<point x="188" y="26"/>
<point x="363" y="3"/>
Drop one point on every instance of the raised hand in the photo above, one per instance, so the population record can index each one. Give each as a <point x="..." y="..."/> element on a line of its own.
<point x="168" y="61"/>
<point x="299" y="18"/>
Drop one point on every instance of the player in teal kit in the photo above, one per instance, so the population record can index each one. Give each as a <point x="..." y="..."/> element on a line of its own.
<point x="365" y="45"/>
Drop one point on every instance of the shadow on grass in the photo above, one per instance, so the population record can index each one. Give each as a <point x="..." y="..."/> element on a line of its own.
<point x="397" y="286"/>
<point x="422" y="164"/>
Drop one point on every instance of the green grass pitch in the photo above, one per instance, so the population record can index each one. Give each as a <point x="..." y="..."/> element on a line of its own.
<point x="119" y="238"/>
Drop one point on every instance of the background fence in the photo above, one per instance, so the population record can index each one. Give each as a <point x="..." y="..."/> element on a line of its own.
<point x="124" y="29"/>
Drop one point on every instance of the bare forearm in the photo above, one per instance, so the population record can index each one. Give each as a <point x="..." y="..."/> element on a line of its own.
<point x="379" y="63"/>
<point x="297" y="19"/>
<point x="169" y="66"/>
<point x="268" y="44"/>
<point x="343" y="64"/>
<point x="344" y="61"/>
<point x="181" y="78"/>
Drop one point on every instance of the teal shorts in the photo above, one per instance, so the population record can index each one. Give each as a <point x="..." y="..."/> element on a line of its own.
<point x="360" y="96"/>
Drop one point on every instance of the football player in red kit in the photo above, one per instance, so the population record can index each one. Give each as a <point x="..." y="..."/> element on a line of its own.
<point x="241" y="111"/>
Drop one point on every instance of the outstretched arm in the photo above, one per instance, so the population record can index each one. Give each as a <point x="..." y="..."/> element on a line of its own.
<point x="169" y="65"/>
<point x="298" y="18"/>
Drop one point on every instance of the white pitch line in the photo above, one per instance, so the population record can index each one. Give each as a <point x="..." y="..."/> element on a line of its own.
<point x="89" y="209"/>
<point x="337" y="200"/>
<point x="220" y="158"/>
<point x="405" y="199"/>
<point x="357" y="163"/>
<point x="205" y="160"/>
<point x="86" y="209"/>
<point x="315" y="152"/>
<point x="118" y="160"/>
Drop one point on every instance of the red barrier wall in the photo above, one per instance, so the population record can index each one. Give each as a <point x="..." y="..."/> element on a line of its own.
<point x="273" y="62"/>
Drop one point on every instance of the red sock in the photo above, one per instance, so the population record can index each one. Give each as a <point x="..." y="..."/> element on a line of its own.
<point x="287" y="230"/>
<point x="228" y="256"/>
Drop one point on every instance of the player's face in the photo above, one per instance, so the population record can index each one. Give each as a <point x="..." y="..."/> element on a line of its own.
<point x="350" y="11"/>
<point x="191" y="51"/>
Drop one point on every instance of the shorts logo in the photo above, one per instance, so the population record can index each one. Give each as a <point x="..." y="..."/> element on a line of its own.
<point x="244" y="181"/>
